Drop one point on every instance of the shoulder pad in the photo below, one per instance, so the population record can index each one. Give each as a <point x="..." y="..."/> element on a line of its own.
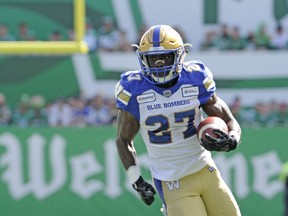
<point x="121" y="94"/>
<point x="131" y="75"/>
<point x="194" y="66"/>
<point x="124" y="88"/>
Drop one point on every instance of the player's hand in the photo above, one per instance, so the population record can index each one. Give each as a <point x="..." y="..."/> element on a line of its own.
<point x="224" y="142"/>
<point x="145" y="190"/>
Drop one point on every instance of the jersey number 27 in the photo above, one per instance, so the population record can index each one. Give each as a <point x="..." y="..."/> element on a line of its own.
<point x="163" y="134"/>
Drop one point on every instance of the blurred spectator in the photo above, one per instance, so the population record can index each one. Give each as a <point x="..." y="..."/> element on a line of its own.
<point x="56" y="36"/>
<point x="108" y="35"/>
<point x="80" y="111"/>
<point x="250" y="41"/>
<point x="279" y="38"/>
<point x="283" y="114"/>
<point x="223" y="40"/>
<point x="248" y="117"/>
<point x="262" y="38"/>
<point x="266" y="114"/>
<point x="99" y="113"/>
<point x="237" y="41"/>
<point x="4" y="33"/>
<point x="38" y="111"/>
<point x="236" y="108"/>
<point x="124" y="44"/>
<point x="112" y="110"/>
<point x="273" y="107"/>
<point x="24" y="33"/>
<point x="143" y="28"/>
<point x="60" y="114"/>
<point x="22" y="115"/>
<point x="71" y="35"/>
<point x="89" y="37"/>
<point x="209" y="41"/>
<point x="262" y="114"/>
<point x="5" y="112"/>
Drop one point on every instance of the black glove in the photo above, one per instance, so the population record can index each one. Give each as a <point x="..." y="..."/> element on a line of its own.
<point x="225" y="142"/>
<point x="145" y="190"/>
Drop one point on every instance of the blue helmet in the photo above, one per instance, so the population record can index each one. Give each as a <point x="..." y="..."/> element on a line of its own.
<point x="161" y="53"/>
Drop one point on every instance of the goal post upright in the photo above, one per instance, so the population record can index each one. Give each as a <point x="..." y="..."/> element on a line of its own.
<point x="53" y="47"/>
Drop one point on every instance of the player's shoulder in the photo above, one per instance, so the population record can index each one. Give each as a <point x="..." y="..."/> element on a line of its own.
<point x="130" y="83"/>
<point x="197" y="68"/>
<point x="131" y="77"/>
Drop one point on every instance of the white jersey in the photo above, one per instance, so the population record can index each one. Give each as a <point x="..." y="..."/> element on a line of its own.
<point x="168" y="118"/>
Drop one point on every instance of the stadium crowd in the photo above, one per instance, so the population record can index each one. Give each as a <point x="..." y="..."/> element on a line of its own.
<point x="35" y="111"/>
<point x="108" y="37"/>
<point x="230" y="38"/>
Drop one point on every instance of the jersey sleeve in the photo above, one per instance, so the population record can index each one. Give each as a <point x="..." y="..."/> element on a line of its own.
<point x="125" y="95"/>
<point x="209" y="86"/>
<point x="203" y="78"/>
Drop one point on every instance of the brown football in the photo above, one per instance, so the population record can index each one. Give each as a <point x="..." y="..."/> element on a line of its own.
<point x="208" y="125"/>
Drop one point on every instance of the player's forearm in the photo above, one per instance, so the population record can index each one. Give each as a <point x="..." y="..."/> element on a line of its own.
<point x="126" y="153"/>
<point x="233" y="125"/>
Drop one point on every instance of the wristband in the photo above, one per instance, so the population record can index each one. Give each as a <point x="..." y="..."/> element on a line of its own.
<point x="133" y="173"/>
<point x="235" y="134"/>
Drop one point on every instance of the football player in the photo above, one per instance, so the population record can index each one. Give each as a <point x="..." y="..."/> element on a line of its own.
<point x="284" y="177"/>
<point x="165" y="100"/>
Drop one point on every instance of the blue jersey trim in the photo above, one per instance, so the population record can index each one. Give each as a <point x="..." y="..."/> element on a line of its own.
<point x="159" y="188"/>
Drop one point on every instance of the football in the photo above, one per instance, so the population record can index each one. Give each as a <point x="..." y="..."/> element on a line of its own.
<point x="208" y="125"/>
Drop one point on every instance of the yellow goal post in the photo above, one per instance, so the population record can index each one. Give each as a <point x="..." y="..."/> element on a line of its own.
<point x="53" y="47"/>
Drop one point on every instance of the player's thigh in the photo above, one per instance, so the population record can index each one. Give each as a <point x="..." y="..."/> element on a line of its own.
<point x="182" y="198"/>
<point x="218" y="198"/>
<point x="187" y="206"/>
